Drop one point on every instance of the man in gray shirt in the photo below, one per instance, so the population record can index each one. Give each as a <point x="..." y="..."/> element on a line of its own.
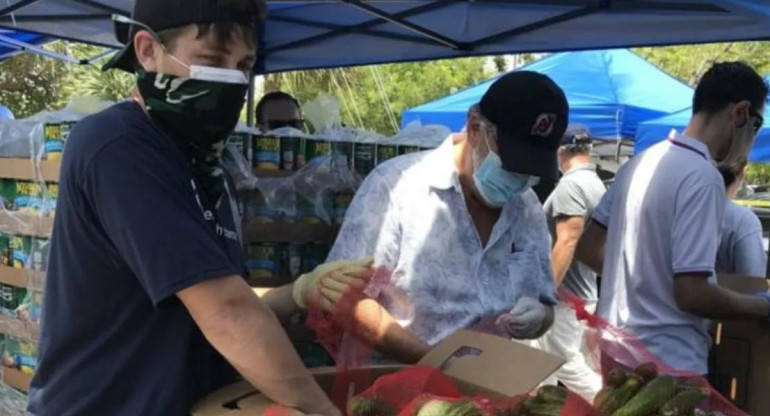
<point x="740" y="249"/>
<point x="567" y="210"/>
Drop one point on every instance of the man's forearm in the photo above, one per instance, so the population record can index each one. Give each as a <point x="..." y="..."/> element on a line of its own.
<point x="279" y="300"/>
<point x="561" y="258"/>
<point x="246" y="332"/>
<point x="716" y="302"/>
<point x="389" y="338"/>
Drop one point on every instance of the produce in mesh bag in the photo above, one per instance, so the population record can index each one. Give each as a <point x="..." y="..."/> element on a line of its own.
<point x="637" y="382"/>
<point x="366" y="406"/>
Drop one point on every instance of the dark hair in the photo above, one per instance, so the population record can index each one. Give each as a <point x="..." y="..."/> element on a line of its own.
<point x="579" y="143"/>
<point x="272" y="96"/>
<point x="224" y="32"/>
<point x="726" y="83"/>
<point x="730" y="173"/>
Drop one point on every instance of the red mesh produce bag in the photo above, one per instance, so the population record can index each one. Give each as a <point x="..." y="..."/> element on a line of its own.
<point x="612" y="348"/>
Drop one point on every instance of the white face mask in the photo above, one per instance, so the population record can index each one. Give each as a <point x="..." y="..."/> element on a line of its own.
<point x="213" y="74"/>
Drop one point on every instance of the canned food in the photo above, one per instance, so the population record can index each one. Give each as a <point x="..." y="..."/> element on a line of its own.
<point x="313" y="255"/>
<point x="5" y="250"/>
<point x="300" y="152"/>
<point x="265" y="260"/>
<point x="295" y="260"/>
<point x="406" y="149"/>
<point x="53" y="141"/>
<point x="342" y="201"/>
<point x="20" y="246"/>
<point x="288" y="160"/>
<point x="7" y="193"/>
<point x="307" y="212"/>
<point x="242" y="142"/>
<point x="317" y="148"/>
<point x="386" y="152"/>
<point x="29" y="196"/>
<point x="260" y="210"/>
<point x="267" y="152"/>
<point x="38" y="258"/>
<point x="11" y="297"/>
<point x="49" y="199"/>
<point x="344" y="149"/>
<point x="364" y="157"/>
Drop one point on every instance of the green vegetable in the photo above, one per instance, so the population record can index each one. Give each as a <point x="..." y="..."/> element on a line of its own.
<point x="684" y="403"/>
<point x="620" y="396"/>
<point x="364" y="406"/>
<point x="545" y="409"/>
<point x="652" y="396"/>
<point x="648" y="371"/>
<point x="465" y="408"/>
<point x="617" y="377"/>
<point x="435" y="408"/>
<point x="552" y="394"/>
<point x="602" y="396"/>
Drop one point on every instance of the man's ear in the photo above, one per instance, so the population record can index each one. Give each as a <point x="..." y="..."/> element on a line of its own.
<point x="740" y="113"/>
<point x="144" y="49"/>
<point x="473" y="128"/>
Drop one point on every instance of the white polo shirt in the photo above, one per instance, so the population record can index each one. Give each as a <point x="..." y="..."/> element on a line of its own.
<point x="663" y="216"/>
<point x="410" y="214"/>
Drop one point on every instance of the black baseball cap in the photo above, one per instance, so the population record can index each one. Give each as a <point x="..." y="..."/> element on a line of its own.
<point x="576" y="134"/>
<point x="531" y="114"/>
<point x="160" y="15"/>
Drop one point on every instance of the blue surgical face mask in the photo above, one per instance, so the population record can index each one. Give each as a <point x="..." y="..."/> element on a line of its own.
<point x="498" y="186"/>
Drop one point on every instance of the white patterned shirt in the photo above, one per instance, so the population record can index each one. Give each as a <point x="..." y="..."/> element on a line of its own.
<point x="411" y="215"/>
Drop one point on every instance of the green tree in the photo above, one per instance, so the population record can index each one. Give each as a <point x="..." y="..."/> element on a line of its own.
<point x="90" y="81"/>
<point x="690" y="62"/>
<point x="373" y="97"/>
<point x="30" y="83"/>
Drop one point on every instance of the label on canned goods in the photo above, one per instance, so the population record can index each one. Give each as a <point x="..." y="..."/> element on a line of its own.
<point x="267" y="152"/>
<point x="364" y="157"/>
<point x="386" y="152"/>
<point x="342" y="201"/>
<point x="288" y="160"/>
<point x="406" y="149"/>
<point x="317" y="148"/>
<point x="264" y="260"/>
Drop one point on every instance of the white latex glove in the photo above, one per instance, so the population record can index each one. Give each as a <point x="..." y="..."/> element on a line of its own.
<point x="325" y="285"/>
<point x="525" y="320"/>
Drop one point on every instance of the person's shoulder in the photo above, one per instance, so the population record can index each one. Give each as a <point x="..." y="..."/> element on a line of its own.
<point x="746" y="216"/>
<point x="393" y="170"/>
<point x="96" y="131"/>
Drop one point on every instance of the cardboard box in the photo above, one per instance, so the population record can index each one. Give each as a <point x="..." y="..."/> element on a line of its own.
<point x="16" y="378"/>
<point x="25" y="278"/>
<point x="739" y="363"/>
<point x="31" y="224"/>
<point x="479" y="363"/>
<point x="17" y="328"/>
<point x="26" y="169"/>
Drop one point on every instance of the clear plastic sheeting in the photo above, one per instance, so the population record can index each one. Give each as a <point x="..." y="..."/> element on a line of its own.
<point x="12" y="402"/>
<point x="30" y="155"/>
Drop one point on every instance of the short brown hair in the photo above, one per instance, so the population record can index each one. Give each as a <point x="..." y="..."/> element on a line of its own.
<point x="225" y="32"/>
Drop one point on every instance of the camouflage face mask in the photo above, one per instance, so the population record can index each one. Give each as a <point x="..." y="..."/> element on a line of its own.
<point x="199" y="116"/>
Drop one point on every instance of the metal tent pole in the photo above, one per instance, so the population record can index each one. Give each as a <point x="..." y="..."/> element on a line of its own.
<point x="250" y="101"/>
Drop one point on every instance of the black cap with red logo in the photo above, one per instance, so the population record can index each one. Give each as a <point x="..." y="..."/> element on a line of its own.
<point x="531" y="114"/>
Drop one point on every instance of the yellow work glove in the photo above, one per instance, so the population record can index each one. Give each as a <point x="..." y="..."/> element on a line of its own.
<point x="330" y="281"/>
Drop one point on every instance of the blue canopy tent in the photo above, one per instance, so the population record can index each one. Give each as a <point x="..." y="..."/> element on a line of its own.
<point x="13" y="42"/>
<point x="656" y="130"/>
<point x="322" y="33"/>
<point x="609" y="91"/>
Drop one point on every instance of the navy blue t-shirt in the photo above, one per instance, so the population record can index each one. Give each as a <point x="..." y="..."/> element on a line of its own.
<point x="129" y="234"/>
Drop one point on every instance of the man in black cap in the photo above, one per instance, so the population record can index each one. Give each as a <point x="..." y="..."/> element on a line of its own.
<point x="146" y="310"/>
<point x="460" y="227"/>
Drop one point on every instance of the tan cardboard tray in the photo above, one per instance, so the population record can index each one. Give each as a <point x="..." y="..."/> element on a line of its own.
<point x="479" y="363"/>
<point x="739" y="364"/>
<point x="25" y="169"/>
<point x="24" y="278"/>
<point x="26" y="223"/>
<point x="15" y="378"/>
